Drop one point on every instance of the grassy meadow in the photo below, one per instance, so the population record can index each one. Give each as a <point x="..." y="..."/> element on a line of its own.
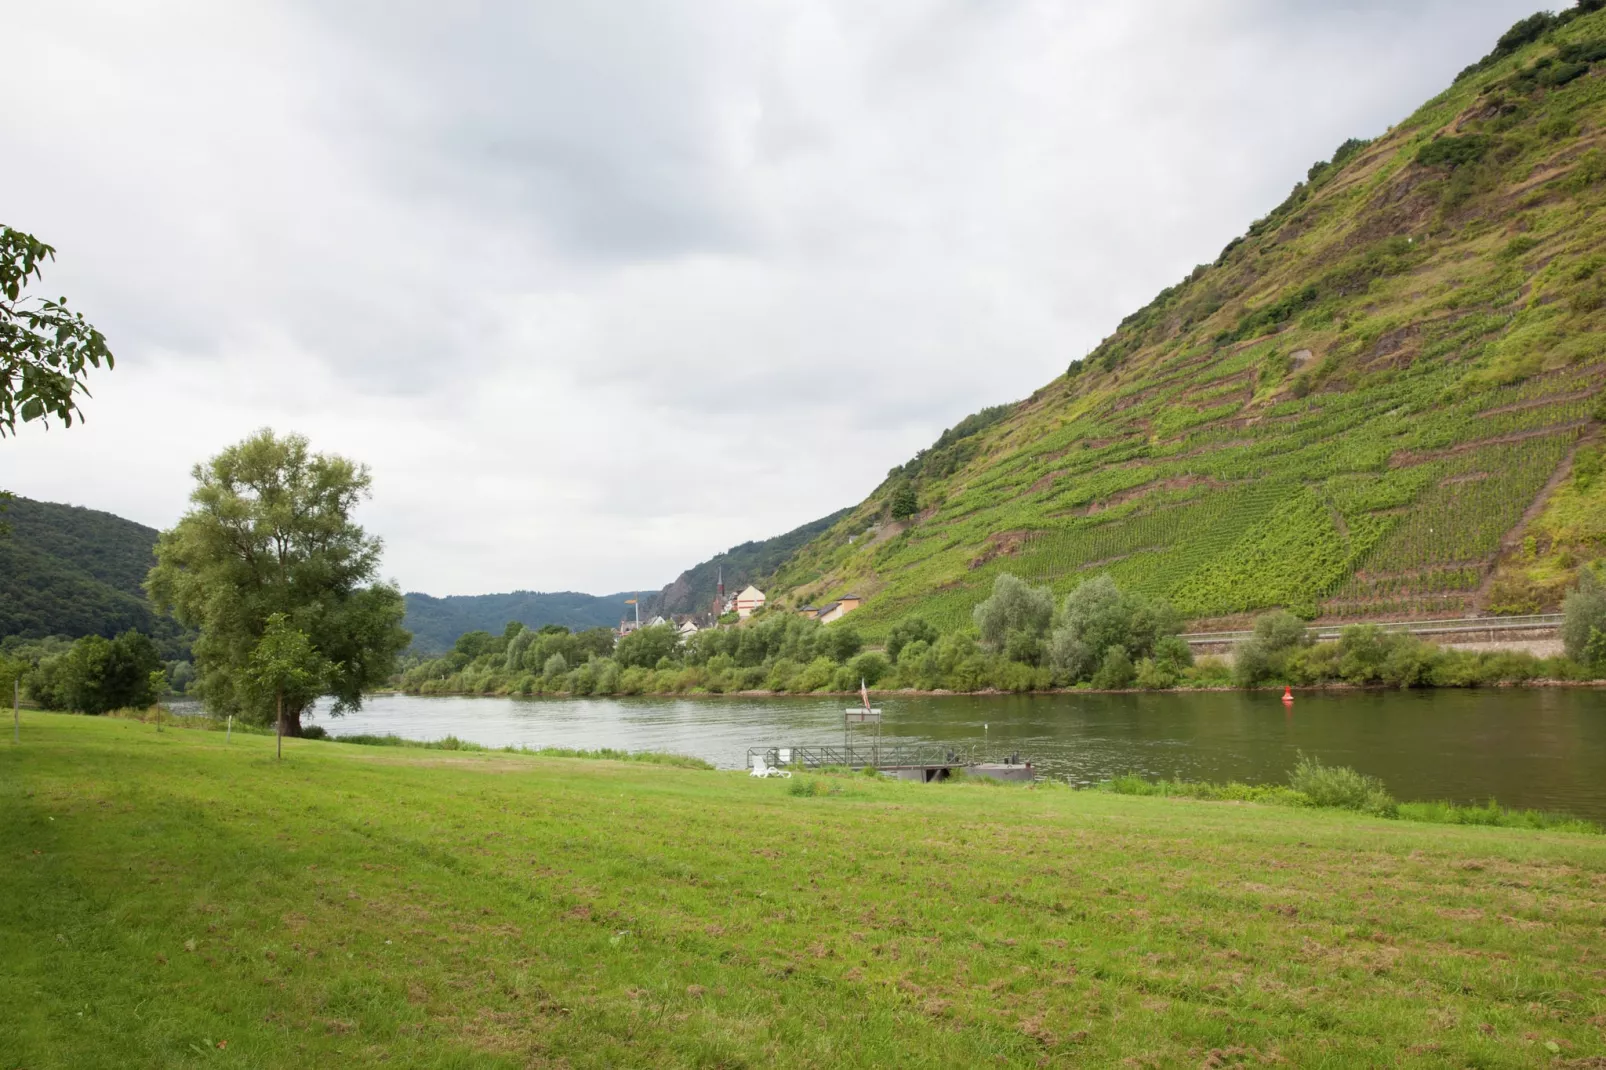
<point x="172" y="900"/>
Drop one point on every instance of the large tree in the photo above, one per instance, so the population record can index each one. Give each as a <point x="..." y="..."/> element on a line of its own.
<point x="270" y="532"/>
<point x="45" y="349"/>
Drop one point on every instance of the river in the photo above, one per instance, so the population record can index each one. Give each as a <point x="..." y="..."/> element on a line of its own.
<point x="1543" y="748"/>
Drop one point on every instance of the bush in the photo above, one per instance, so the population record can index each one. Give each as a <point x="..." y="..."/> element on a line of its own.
<point x="1453" y="152"/>
<point x="97" y="675"/>
<point x="869" y="667"/>
<point x="1097" y="616"/>
<point x="646" y="647"/>
<point x="1115" y="671"/>
<point x="813" y="676"/>
<point x="1264" y="656"/>
<point x="1583" y="623"/>
<point x="1154" y="676"/>
<point x="1341" y="787"/>
<point x="908" y="631"/>
<point x="904" y="502"/>
<point x="1015" y="608"/>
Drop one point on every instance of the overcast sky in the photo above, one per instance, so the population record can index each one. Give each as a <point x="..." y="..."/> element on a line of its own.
<point x="599" y="289"/>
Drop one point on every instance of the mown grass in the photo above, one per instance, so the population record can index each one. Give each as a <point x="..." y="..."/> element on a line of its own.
<point x="172" y="900"/>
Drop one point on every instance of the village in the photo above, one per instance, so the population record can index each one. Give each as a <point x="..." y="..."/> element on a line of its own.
<point x="740" y="606"/>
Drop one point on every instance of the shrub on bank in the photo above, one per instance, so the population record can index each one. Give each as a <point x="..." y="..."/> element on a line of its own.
<point x="1364" y="654"/>
<point x="1340" y="787"/>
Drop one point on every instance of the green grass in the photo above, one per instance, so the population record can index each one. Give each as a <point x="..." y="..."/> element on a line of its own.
<point x="174" y="901"/>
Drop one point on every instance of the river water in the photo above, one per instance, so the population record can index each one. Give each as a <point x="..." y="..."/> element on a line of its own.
<point x="1541" y="748"/>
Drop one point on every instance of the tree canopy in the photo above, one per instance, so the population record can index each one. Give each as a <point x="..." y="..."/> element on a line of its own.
<point x="46" y="349"/>
<point x="270" y="533"/>
<point x="98" y="675"/>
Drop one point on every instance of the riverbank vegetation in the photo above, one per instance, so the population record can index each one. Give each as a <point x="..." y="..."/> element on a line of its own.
<point x="1021" y="639"/>
<point x="177" y="901"/>
<point x="1313" y="784"/>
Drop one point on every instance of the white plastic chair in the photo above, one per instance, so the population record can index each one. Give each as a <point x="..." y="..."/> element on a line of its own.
<point x="761" y="770"/>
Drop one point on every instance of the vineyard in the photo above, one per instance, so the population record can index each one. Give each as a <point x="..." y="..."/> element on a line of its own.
<point x="1354" y="411"/>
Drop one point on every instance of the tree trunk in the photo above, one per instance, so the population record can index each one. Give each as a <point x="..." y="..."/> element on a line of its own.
<point x="292" y="722"/>
<point x="278" y="726"/>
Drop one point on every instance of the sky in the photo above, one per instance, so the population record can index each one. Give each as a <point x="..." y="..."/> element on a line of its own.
<point x="599" y="290"/>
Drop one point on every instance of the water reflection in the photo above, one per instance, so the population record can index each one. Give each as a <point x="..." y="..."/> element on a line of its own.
<point x="1542" y="748"/>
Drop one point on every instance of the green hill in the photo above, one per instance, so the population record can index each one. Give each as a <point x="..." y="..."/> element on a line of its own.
<point x="66" y="570"/>
<point x="437" y="622"/>
<point x="1368" y="405"/>
<point x="695" y="589"/>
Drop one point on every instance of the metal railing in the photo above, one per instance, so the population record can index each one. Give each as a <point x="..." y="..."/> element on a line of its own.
<point x="1448" y="626"/>
<point x="858" y="756"/>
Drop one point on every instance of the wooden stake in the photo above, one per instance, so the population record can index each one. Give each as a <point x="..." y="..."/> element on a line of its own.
<point x="16" y="710"/>
<point x="279" y="726"/>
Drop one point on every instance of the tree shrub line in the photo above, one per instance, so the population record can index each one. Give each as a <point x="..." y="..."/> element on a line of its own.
<point x="1020" y="639"/>
<point x="90" y="675"/>
<point x="1282" y="651"/>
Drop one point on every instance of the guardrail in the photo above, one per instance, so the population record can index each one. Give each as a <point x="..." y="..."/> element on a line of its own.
<point x="1448" y="626"/>
<point x="859" y="756"/>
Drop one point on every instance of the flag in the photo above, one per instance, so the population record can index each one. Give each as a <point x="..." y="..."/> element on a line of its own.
<point x="630" y="601"/>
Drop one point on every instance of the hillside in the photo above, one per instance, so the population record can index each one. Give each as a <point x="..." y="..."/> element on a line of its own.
<point x="437" y="622"/>
<point x="695" y="589"/>
<point x="1369" y="405"/>
<point x="66" y="570"/>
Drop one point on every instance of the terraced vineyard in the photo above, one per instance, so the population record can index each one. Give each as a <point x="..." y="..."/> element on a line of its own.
<point x="1354" y="411"/>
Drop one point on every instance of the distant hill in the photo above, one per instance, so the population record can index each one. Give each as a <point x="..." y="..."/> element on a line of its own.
<point x="437" y="622"/>
<point x="1385" y="399"/>
<point x="66" y="570"/>
<point x="694" y="590"/>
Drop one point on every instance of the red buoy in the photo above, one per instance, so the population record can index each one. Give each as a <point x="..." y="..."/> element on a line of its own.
<point x="1288" y="696"/>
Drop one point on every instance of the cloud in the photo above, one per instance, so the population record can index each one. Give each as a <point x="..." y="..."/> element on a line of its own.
<point x="600" y="289"/>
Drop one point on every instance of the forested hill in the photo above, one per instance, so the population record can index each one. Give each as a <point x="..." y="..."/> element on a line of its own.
<point x="1381" y="400"/>
<point x="66" y="570"/>
<point x="695" y="589"/>
<point x="437" y="622"/>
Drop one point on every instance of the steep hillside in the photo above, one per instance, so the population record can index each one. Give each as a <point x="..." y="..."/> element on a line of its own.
<point x="694" y="590"/>
<point x="1356" y="410"/>
<point x="65" y="570"/>
<point x="437" y="622"/>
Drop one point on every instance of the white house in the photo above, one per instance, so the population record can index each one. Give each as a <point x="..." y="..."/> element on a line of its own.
<point x="749" y="600"/>
<point x="689" y="627"/>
